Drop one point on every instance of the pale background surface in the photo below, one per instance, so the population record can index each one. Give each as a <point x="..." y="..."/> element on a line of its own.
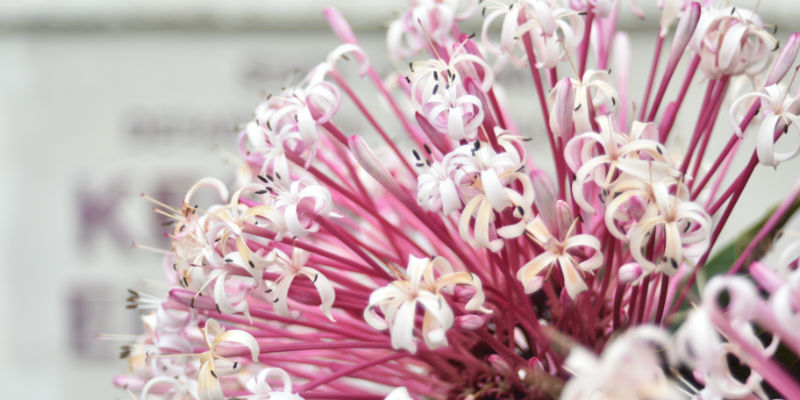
<point x="103" y="99"/>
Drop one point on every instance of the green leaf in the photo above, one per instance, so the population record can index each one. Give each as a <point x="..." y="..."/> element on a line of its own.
<point x="724" y="259"/>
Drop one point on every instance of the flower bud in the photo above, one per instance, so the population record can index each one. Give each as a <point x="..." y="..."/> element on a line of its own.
<point x="471" y="322"/>
<point x="629" y="272"/>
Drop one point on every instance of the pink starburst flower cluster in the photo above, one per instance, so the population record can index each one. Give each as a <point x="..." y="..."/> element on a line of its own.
<point x="436" y="259"/>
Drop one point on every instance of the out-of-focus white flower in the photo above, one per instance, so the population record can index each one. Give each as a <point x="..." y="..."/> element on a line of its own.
<point x="630" y="368"/>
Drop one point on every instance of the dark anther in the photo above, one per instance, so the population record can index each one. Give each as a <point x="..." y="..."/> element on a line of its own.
<point x="435" y="88"/>
<point x="213" y="374"/>
<point x="261" y="192"/>
<point x="674" y="263"/>
<point x="435" y="76"/>
<point x="411" y="66"/>
<point x="416" y="155"/>
<point x="427" y="148"/>
<point x="520" y="210"/>
<point x="278" y="175"/>
<point x="688" y="225"/>
<point x="577" y="108"/>
<point x="262" y="179"/>
<point x="251" y="263"/>
<point x="228" y="260"/>
<point x="658" y="149"/>
<point x="315" y="278"/>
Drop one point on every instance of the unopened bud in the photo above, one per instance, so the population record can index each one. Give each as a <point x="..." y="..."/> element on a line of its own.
<point x="471" y="322"/>
<point x="629" y="272"/>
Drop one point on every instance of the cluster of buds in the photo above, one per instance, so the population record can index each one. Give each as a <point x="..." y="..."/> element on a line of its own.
<point x="421" y="265"/>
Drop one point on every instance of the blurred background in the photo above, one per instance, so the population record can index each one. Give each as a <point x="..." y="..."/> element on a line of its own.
<point x="101" y="100"/>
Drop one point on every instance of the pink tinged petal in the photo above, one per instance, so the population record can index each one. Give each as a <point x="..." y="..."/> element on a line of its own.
<point x="293" y="223"/>
<point x="545" y="199"/>
<point x="474" y="90"/>
<point x="636" y="10"/>
<point x="438" y="139"/>
<point x="353" y="49"/>
<point x="153" y="386"/>
<point x="564" y="218"/>
<point x="785" y="59"/>
<point x="563" y="104"/>
<point x="731" y="45"/>
<point x="321" y="197"/>
<point x="573" y="282"/>
<point x="686" y="27"/>
<point x="528" y="273"/>
<point x="370" y="162"/>
<point x="402" y="329"/>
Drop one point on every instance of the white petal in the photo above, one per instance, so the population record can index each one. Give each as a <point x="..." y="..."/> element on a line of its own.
<point x="402" y="329"/>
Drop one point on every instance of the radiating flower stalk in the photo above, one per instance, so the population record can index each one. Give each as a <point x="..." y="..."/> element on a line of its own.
<point x="437" y="259"/>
